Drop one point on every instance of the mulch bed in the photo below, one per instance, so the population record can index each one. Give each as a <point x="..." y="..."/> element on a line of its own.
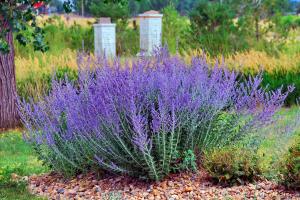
<point x="176" y="186"/>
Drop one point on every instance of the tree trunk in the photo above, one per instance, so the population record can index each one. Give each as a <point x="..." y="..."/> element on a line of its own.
<point x="8" y="94"/>
<point x="257" y="28"/>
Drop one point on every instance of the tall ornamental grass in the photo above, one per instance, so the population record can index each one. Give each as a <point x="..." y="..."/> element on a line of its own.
<point x="143" y="118"/>
<point x="277" y="71"/>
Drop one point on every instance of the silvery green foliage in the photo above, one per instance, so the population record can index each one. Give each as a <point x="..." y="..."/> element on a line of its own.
<point x="139" y="119"/>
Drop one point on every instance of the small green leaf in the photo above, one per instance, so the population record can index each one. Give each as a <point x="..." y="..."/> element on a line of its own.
<point x="67" y="6"/>
<point x="21" y="39"/>
<point x="4" y="47"/>
<point x="227" y="176"/>
<point x="28" y="15"/>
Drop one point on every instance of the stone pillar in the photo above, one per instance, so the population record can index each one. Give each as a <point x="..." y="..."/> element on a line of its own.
<point x="105" y="38"/>
<point x="150" y="31"/>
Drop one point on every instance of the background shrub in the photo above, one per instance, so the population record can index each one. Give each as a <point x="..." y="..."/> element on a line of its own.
<point x="60" y="37"/>
<point x="257" y="155"/>
<point x="284" y="79"/>
<point x="214" y="29"/>
<point x="232" y="164"/>
<point x="37" y="85"/>
<point x="127" y="38"/>
<point x="289" y="22"/>
<point x="78" y="37"/>
<point x="176" y="31"/>
<point x="291" y="167"/>
<point x="144" y="119"/>
<point x="115" y="10"/>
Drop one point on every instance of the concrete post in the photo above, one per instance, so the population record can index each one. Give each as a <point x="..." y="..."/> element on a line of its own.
<point x="105" y="38"/>
<point x="150" y="31"/>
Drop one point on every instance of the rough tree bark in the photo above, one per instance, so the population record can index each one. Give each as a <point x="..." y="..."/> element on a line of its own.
<point x="8" y="94"/>
<point x="257" y="28"/>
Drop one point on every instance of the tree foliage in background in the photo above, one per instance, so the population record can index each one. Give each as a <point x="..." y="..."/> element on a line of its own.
<point x="182" y="6"/>
<point x="132" y="7"/>
<point x="266" y="10"/>
<point x="16" y="17"/>
<point x="231" y="25"/>
<point x="214" y="28"/>
<point x="116" y="9"/>
<point x="58" y="5"/>
<point x="176" y="30"/>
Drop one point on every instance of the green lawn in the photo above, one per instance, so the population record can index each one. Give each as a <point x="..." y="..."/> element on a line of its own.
<point x="14" y="192"/>
<point x="278" y="138"/>
<point x="16" y="157"/>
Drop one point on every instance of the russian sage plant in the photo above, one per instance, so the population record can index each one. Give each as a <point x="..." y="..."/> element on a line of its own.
<point x="140" y="119"/>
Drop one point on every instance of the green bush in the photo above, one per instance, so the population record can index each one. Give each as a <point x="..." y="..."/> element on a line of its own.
<point x="231" y="165"/>
<point x="76" y="34"/>
<point x="33" y="86"/>
<point x="284" y="78"/>
<point x="36" y="85"/>
<point x="185" y="162"/>
<point x="127" y="38"/>
<point x="289" y="22"/>
<point x="291" y="167"/>
<point x="60" y="37"/>
<point x="214" y="29"/>
<point x="176" y="30"/>
<point x="117" y="9"/>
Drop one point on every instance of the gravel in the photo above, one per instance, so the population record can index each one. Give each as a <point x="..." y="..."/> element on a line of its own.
<point x="176" y="186"/>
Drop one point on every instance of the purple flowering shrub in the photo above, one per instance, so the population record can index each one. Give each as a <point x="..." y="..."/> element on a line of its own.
<point x="140" y="119"/>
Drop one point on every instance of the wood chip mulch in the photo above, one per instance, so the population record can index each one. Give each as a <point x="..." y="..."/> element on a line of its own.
<point x="177" y="186"/>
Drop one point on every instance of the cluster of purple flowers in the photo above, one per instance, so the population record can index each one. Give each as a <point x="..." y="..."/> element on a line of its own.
<point x="140" y="118"/>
